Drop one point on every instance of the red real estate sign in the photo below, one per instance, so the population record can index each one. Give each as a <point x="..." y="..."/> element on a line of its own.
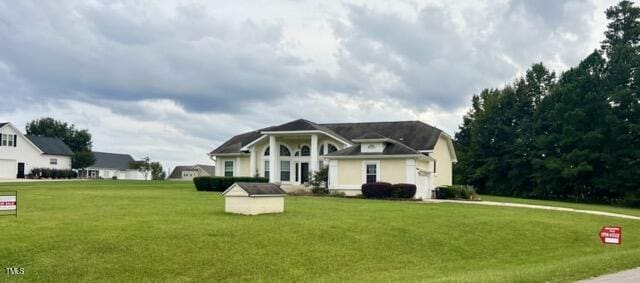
<point x="611" y="235"/>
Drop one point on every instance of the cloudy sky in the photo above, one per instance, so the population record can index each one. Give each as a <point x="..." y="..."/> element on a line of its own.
<point x="174" y="79"/>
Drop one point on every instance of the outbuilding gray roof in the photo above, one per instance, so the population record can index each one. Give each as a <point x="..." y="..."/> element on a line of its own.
<point x="256" y="189"/>
<point x="49" y="145"/>
<point x="106" y="160"/>
<point x="414" y="134"/>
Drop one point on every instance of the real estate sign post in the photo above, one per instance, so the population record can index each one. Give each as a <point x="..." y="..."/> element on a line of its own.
<point x="9" y="203"/>
<point x="611" y="235"/>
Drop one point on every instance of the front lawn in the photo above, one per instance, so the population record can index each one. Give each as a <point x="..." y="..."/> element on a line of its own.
<point x="568" y="204"/>
<point x="166" y="231"/>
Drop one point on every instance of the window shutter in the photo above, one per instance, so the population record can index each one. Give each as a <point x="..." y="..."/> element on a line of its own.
<point x="1" y="139"/>
<point x="15" y="139"/>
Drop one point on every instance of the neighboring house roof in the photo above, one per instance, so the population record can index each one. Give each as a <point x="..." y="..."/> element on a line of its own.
<point x="414" y="134"/>
<point x="108" y="160"/>
<point x="177" y="171"/>
<point x="49" y="145"/>
<point x="256" y="189"/>
<point x="210" y="169"/>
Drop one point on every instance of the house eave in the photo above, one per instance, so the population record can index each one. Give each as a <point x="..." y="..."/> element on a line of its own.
<point x="379" y="156"/>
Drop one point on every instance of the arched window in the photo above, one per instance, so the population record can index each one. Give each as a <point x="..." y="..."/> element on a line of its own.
<point x="305" y="151"/>
<point x="284" y="151"/>
<point x="330" y="148"/>
<point x="266" y="152"/>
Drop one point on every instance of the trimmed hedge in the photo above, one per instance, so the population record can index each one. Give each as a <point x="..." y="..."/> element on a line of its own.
<point x="376" y="190"/>
<point x="456" y="192"/>
<point x="46" y="173"/>
<point x="403" y="190"/>
<point x="220" y="184"/>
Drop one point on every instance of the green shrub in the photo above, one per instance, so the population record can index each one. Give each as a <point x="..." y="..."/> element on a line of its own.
<point x="220" y="184"/>
<point x="403" y="190"/>
<point x="376" y="190"/>
<point x="319" y="190"/>
<point x="47" y="173"/>
<point x="456" y="192"/>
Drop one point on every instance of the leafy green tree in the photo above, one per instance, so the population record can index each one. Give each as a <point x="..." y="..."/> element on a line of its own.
<point x="78" y="140"/>
<point x="145" y="166"/>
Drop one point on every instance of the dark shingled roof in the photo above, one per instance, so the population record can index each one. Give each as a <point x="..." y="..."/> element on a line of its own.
<point x="2" y="124"/>
<point x="255" y="189"/>
<point x="370" y="136"/>
<point x="107" y="160"/>
<point x="392" y="148"/>
<point x="237" y="142"/>
<point x="49" y="145"/>
<point x="414" y="134"/>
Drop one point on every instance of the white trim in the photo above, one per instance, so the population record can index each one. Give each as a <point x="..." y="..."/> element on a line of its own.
<point x="246" y="147"/>
<point x="347" y="142"/>
<point x="236" y="167"/>
<point x="364" y="170"/>
<point x="419" y="156"/>
<point x="411" y="171"/>
<point x="229" y="154"/>
<point x="333" y="173"/>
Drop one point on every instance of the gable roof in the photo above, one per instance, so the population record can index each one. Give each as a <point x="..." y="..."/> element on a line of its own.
<point x="414" y="134"/>
<point x="392" y="148"/>
<point x="49" y="145"/>
<point x="2" y="124"/>
<point x="256" y="189"/>
<point x="108" y="160"/>
<point x="210" y="169"/>
<point x="177" y="171"/>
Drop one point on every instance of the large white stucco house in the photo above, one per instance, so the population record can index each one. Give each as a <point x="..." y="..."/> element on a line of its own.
<point x="20" y="153"/>
<point x="112" y="166"/>
<point x="356" y="153"/>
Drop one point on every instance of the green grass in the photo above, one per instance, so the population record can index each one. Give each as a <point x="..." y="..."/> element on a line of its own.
<point x="568" y="204"/>
<point x="165" y="231"/>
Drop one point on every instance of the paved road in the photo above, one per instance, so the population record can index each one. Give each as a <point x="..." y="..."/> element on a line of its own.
<point x="629" y="276"/>
<point x="509" y="204"/>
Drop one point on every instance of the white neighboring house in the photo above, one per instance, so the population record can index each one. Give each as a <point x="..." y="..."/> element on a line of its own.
<point x="189" y="172"/>
<point x="108" y="165"/>
<point x="20" y="153"/>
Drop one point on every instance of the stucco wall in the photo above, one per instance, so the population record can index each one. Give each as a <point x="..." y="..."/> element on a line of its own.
<point x="253" y="205"/>
<point x="444" y="169"/>
<point x="393" y="170"/>
<point x="349" y="172"/>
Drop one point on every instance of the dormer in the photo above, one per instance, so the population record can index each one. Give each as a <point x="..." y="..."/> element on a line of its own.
<point x="372" y="143"/>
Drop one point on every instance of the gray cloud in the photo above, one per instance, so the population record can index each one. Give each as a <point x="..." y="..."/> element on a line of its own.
<point x="173" y="80"/>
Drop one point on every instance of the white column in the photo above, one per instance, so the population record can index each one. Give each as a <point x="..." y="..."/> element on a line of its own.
<point x="273" y="150"/>
<point x="252" y="162"/>
<point x="314" y="153"/>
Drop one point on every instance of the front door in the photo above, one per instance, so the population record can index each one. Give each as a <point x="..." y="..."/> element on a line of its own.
<point x="20" y="170"/>
<point x="304" y="172"/>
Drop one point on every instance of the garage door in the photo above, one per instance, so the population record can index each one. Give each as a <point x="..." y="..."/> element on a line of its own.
<point x="8" y="169"/>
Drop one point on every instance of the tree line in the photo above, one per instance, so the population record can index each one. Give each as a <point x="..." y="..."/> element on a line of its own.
<point x="574" y="136"/>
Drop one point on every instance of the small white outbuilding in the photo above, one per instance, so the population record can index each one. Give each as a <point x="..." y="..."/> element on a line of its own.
<point x="254" y="198"/>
